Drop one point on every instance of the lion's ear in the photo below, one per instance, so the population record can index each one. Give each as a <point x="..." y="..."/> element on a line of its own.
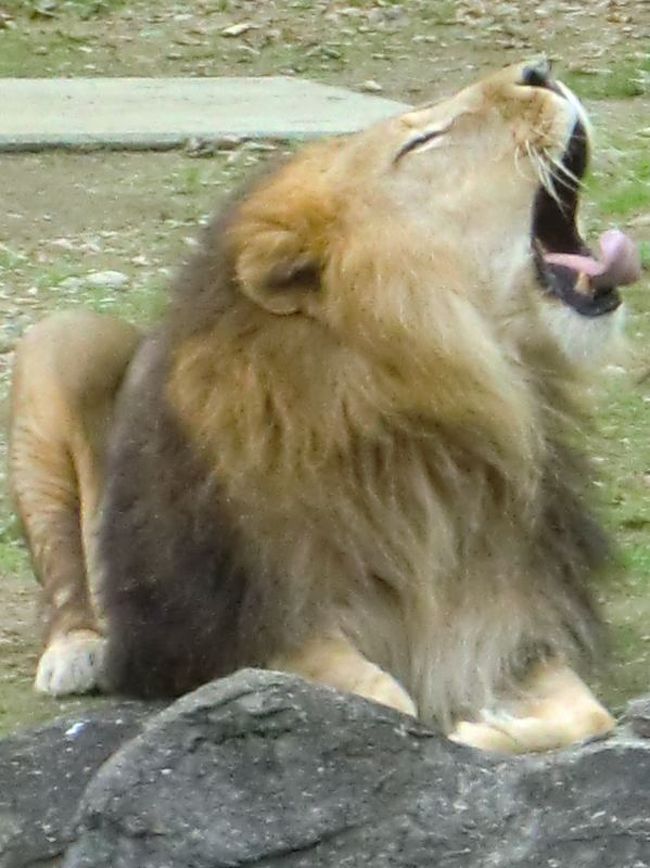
<point x="276" y="270"/>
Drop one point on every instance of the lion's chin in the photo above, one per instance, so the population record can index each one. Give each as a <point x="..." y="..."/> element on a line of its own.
<point x="587" y="341"/>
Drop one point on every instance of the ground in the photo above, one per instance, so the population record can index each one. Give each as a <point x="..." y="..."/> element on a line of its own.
<point x="66" y="216"/>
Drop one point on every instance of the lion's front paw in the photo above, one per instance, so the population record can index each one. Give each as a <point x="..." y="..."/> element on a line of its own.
<point x="483" y="736"/>
<point x="384" y="689"/>
<point x="513" y="735"/>
<point x="71" y="663"/>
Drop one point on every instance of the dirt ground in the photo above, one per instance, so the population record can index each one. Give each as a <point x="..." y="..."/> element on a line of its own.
<point x="64" y="216"/>
<point x="413" y="49"/>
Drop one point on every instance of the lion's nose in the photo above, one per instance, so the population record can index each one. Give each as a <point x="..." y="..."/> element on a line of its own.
<point x="537" y="73"/>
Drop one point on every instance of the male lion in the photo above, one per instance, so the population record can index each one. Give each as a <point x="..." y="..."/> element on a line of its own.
<point x="347" y="451"/>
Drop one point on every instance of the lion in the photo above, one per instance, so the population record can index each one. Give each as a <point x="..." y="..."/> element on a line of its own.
<point x="348" y="451"/>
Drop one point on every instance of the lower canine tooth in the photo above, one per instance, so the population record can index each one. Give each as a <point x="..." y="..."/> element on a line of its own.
<point x="582" y="284"/>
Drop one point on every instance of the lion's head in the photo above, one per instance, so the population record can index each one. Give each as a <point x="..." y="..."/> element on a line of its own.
<point x="433" y="258"/>
<point x="475" y="194"/>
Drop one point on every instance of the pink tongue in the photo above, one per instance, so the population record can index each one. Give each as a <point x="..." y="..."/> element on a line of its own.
<point x="619" y="263"/>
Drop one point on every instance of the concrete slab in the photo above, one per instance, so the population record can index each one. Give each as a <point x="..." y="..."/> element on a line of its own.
<point x="164" y="113"/>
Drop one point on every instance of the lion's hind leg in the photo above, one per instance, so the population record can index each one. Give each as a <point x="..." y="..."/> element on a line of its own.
<point x="67" y="372"/>
<point x="334" y="661"/>
<point x="556" y="709"/>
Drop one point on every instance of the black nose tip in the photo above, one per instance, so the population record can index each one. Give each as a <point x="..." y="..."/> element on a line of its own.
<point x="537" y="74"/>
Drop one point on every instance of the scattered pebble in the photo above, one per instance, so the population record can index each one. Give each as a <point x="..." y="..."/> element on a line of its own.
<point x="76" y="728"/>
<point x="71" y="284"/>
<point x="238" y="29"/>
<point x="106" y="279"/>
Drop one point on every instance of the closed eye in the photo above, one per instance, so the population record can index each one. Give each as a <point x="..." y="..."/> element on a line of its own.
<point x="420" y="143"/>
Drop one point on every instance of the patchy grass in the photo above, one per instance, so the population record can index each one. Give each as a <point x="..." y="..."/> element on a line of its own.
<point x="618" y="192"/>
<point x="618" y="80"/>
<point x="621" y="186"/>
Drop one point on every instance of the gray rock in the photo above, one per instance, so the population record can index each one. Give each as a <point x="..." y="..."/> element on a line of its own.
<point x="263" y="770"/>
<point x="637" y="716"/>
<point x="43" y="774"/>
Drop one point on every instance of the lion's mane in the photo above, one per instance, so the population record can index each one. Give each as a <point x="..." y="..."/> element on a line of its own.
<point x="399" y="467"/>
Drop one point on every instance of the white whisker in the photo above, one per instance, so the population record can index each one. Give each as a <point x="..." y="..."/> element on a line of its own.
<point x="544" y="173"/>
<point x="562" y="170"/>
<point x="518" y="168"/>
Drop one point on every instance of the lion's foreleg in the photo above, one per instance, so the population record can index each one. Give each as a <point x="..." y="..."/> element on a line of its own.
<point x="45" y="490"/>
<point x="67" y="372"/>
<point x="555" y="709"/>
<point x="334" y="661"/>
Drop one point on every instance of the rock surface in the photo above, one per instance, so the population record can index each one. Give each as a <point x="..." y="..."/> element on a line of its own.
<point x="263" y="770"/>
<point x="43" y="774"/>
<point x="637" y="717"/>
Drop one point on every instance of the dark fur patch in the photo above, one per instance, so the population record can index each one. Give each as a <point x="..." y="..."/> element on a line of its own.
<point x="205" y="286"/>
<point x="181" y="605"/>
<point x="572" y="547"/>
<point x="182" y="608"/>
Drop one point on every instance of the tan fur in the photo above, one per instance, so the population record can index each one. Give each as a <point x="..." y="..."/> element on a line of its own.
<point x="66" y="375"/>
<point x="333" y="660"/>
<point x="381" y="400"/>
<point x="554" y="709"/>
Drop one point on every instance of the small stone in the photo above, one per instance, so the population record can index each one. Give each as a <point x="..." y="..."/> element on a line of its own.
<point x="238" y="29"/>
<point x="640" y="220"/>
<point x="261" y="147"/>
<point x="107" y="279"/>
<point x="63" y="243"/>
<point x="371" y="86"/>
<point x="393" y="13"/>
<point x="638" y="716"/>
<point x="200" y="147"/>
<point x="44" y="9"/>
<point x="71" y="284"/>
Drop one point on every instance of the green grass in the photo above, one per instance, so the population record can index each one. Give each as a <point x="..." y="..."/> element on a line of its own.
<point x="619" y="80"/>
<point x="644" y="249"/>
<point x="623" y="188"/>
<point x="21" y="706"/>
<point x="441" y="13"/>
<point x="13" y="559"/>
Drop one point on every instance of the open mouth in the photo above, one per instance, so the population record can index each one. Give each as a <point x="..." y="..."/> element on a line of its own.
<point x="567" y="269"/>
